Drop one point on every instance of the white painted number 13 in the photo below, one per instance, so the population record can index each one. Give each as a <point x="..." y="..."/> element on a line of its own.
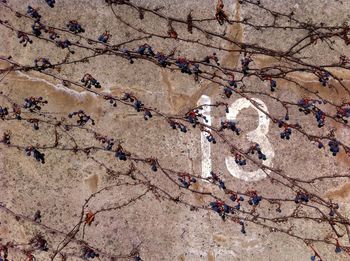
<point x="258" y="135"/>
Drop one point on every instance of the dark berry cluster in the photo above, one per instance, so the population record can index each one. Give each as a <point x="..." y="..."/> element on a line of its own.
<point x="254" y="198"/>
<point x="39" y="243"/>
<point x="24" y="38"/>
<point x="305" y="105"/>
<point x="37" y="27"/>
<point x="145" y="49"/>
<point x="186" y="180"/>
<point x="51" y="3"/>
<point x="232" y="82"/>
<point x="213" y="57"/>
<point x="52" y="34"/>
<point x="104" y="37"/>
<point x="235" y="198"/>
<point x="273" y="85"/>
<point x="17" y="111"/>
<point x="6" y="137"/>
<point x="120" y="153"/>
<point x="216" y="180"/>
<point x="162" y="59"/>
<point x="147" y="114"/>
<point x="111" y="100"/>
<point x="287" y="131"/>
<point x="105" y="141"/>
<point x="129" y="97"/>
<point x="227" y="92"/>
<point x="3" y="112"/>
<point x="153" y="164"/>
<point x="64" y="44"/>
<point x="211" y="138"/>
<point x="344" y="112"/>
<point x="221" y="208"/>
<point x="128" y="55"/>
<point x="35" y="123"/>
<point x="175" y="125"/>
<point x="337" y="249"/>
<point x="88" y="80"/>
<point x="242" y="227"/>
<point x="320" y="117"/>
<point x="89" y="253"/>
<point x="183" y="64"/>
<point x="240" y="160"/>
<point x="75" y="27"/>
<point x="31" y="151"/>
<point x="196" y="71"/>
<point x="4" y="252"/>
<point x="138" y="105"/>
<point x="42" y="64"/>
<point x="193" y="117"/>
<point x="334" y="146"/>
<point x="256" y="148"/>
<point x="333" y="207"/>
<point x="324" y="78"/>
<point x="33" y="13"/>
<point x="301" y="197"/>
<point x="83" y="117"/>
<point x="33" y="103"/>
<point x="37" y="216"/>
<point x="230" y="124"/>
<point x="245" y="64"/>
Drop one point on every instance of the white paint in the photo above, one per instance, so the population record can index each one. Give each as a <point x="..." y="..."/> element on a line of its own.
<point x="258" y="135"/>
<point x="60" y="87"/>
<point x="205" y="144"/>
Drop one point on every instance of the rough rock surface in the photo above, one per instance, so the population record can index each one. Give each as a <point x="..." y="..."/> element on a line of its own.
<point x="162" y="229"/>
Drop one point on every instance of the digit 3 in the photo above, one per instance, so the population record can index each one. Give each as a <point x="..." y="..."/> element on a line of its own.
<point x="258" y="135"/>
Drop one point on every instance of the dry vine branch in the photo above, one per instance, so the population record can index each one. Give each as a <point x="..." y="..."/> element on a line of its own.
<point x="171" y="184"/>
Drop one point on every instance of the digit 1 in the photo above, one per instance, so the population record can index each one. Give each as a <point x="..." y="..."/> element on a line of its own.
<point x="205" y="145"/>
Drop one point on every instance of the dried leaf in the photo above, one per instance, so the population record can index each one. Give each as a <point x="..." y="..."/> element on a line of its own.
<point x="189" y="23"/>
<point x="90" y="217"/>
<point x="172" y="34"/>
<point x="141" y="14"/>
